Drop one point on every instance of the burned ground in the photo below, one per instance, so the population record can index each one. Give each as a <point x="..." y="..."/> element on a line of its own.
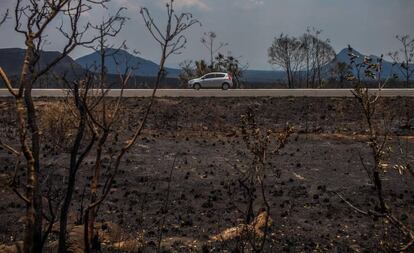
<point x="203" y="136"/>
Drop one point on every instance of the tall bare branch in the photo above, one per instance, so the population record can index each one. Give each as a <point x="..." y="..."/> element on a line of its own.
<point x="33" y="19"/>
<point x="208" y="40"/>
<point x="171" y="42"/>
<point x="4" y="18"/>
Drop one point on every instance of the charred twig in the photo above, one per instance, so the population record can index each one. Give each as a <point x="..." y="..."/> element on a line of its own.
<point x="13" y="184"/>
<point x="164" y="209"/>
<point x="9" y="148"/>
<point x="361" y="159"/>
<point x="358" y="210"/>
<point x="53" y="217"/>
<point x="411" y="170"/>
<point x="404" y="229"/>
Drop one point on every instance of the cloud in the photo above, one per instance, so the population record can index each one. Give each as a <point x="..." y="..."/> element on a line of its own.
<point x="130" y="5"/>
<point x="248" y="4"/>
<point x="192" y="3"/>
<point x="179" y="4"/>
<point x="249" y="26"/>
<point x="255" y="2"/>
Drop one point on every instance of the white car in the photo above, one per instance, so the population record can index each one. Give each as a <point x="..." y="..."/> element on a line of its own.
<point x="212" y="80"/>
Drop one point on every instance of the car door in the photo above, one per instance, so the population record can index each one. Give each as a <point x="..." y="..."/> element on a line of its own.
<point x="208" y="81"/>
<point x="218" y="80"/>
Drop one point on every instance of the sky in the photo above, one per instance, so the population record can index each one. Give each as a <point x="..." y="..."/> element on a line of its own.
<point x="249" y="26"/>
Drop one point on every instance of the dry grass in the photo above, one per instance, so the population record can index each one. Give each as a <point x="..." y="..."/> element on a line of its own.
<point x="58" y="123"/>
<point x="245" y="231"/>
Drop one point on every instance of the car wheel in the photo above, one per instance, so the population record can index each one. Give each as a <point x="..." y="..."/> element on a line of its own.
<point x="197" y="86"/>
<point x="225" y="86"/>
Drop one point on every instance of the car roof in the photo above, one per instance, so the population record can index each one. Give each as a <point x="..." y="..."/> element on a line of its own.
<point x="216" y="73"/>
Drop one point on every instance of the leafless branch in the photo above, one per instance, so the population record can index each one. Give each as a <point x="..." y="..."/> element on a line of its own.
<point x="77" y="155"/>
<point x="7" y="82"/>
<point x="4" y="18"/>
<point x="9" y="148"/>
<point x="208" y="42"/>
<point x="14" y="183"/>
<point x="172" y="41"/>
<point x="33" y="19"/>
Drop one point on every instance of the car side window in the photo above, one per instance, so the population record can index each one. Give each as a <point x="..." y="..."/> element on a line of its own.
<point x="209" y="76"/>
<point x="220" y="75"/>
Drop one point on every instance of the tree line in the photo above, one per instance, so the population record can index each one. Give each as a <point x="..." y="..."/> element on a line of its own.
<point x="308" y="61"/>
<point x="308" y="53"/>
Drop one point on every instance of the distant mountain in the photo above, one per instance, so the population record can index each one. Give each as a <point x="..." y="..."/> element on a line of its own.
<point x="11" y="60"/>
<point x="343" y="57"/>
<point x="118" y="60"/>
<point x="263" y="76"/>
<point x="388" y="68"/>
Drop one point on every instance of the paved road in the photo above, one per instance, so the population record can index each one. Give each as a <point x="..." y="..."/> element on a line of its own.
<point x="228" y="93"/>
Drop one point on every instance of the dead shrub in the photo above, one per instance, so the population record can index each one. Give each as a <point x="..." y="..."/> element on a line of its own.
<point x="58" y="124"/>
<point x="379" y="133"/>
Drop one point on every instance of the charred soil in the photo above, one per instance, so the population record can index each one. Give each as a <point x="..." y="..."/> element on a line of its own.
<point x="203" y="137"/>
